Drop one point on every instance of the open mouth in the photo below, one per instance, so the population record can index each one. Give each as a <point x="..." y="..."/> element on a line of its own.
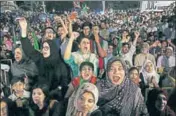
<point x="36" y="100"/>
<point x="86" y="48"/>
<point x="116" y="79"/>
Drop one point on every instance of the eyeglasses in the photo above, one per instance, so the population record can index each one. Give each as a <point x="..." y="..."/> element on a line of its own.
<point x="46" y="48"/>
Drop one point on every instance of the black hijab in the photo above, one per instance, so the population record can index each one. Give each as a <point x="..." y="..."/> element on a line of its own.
<point x="55" y="55"/>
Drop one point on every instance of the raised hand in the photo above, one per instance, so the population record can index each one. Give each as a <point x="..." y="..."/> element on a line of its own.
<point x="136" y="33"/>
<point x="23" y="23"/>
<point x="57" y="19"/>
<point x="74" y="35"/>
<point x="23" y="26"/>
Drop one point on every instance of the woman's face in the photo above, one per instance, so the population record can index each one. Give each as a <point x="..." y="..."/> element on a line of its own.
<point x="38" y="96"/>
<point x="149" y="67"/>
<point x="18" y="87"/>
<point x="86" y="102"/>
<point x="134" y="76"/>
<point x="3" y="108"/>
<point x="168" y="52"/>
<point x="86" y="72"/>
<point x="161" y="102"/>
<point x="116" y="73"/>
<point x="18" y="54"/>
<point x="46" y="50"/>
<point x="85" y="46"/>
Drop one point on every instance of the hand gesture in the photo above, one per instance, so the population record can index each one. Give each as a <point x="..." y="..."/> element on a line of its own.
<point x="69" y="20"/>
<point x="74" y="35"/>
<point x="136" y="33"/>
<point x="23" y="23"/>
<point x="57" y="19"/>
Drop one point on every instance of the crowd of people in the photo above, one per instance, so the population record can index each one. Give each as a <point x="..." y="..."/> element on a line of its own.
<point x="112" y="64"/>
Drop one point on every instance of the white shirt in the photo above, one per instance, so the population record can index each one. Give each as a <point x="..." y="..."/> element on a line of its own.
<point x="129" y="56"/>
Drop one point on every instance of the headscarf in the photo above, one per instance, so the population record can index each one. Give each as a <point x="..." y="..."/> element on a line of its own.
<point x="55" y="56"/>
<point x="72" y="104"/>
<point x="24" y="67"/>
<point x="147" y="76"/>
<point x="24" y="57"/>
<point x="115" y="96"/>
<point x="87" y="87"/>
<point x="112" y="60"/>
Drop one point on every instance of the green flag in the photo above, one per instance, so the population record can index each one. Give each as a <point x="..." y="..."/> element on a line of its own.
<point x="36" y="46"/>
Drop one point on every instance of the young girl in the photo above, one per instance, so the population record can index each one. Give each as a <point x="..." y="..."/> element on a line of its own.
<point x="42" y="105"/>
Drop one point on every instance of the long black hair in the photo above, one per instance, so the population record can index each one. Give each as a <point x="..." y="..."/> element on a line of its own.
<point x="45" y="90"/>
<point x="151" y="99"/>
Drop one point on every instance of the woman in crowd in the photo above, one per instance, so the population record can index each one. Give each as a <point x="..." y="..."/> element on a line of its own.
<point x="86" y="75"/>
<point x="52" y="69"/>
<point x="42" y="105"/>
<point x="85" y="102"/>
<point x="23" y="66"/>
<point x="157" y="103"/>
<point x="119" y="95"/>
<point x="74" y="59"/>
<point x="149" y="76"/>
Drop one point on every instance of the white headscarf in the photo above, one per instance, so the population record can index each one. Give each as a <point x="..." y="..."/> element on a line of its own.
<point x="147" y="76"/>
<point x="87" y="87"/>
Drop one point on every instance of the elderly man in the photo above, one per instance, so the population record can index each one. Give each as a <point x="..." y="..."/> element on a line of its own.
<point x="144" y="55"/>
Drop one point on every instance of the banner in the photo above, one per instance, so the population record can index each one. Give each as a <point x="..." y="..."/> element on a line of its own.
<point x="154" y="5"/>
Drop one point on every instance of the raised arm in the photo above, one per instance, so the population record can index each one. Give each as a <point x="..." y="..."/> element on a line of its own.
<point x="26" y="45"/>
<point x="59" y="19"/>
<point x="70" y="30"/>
<point x="67" y="53"/>
<point x="136" y="37"/>
<point x="101" y="51"/>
